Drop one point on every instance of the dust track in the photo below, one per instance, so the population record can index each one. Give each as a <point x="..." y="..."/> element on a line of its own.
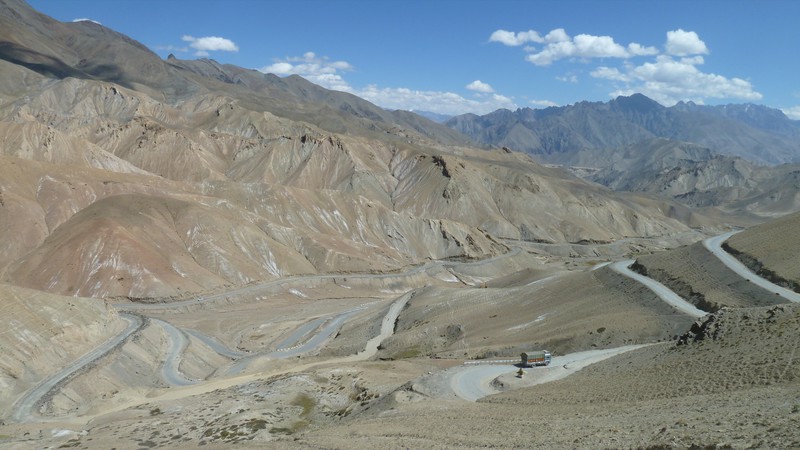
<point x="714" y="245"/>
<point x="475" y="382"/>
<point x="25" y="406"/>
<point x="663" y="292"/>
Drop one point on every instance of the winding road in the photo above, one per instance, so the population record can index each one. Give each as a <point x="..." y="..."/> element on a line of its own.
<point x="24" y="406"/>
<point x="622" y="268"/>
<point x="714" y="245"/>
<point x="314" y="342"/>
<point x="178" y="340"/>
<point x="254" y="289"/>
<point x="177" y="343"/>
<point x="216" y="345"/>
<point x="474" y="382"/>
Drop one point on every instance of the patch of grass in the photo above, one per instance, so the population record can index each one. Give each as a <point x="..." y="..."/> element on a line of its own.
<point x="256" y="424"/>
<point x="306" y="402"/>
<point x="294" y="428"/>
<point x="408" y="353"/>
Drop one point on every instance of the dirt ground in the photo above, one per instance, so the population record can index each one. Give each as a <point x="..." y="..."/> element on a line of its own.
<point x="733" y="381"/>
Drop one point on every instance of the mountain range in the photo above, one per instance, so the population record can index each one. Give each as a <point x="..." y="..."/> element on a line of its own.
<point x="752" y="132"/>
<point x="125" y="175"/>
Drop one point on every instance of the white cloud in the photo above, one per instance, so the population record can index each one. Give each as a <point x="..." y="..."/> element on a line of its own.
<point x="682" y="43"/>
<point x="569" y="78"/>
<point x="83" y="19"/>
<point x="328" y="74"/>
<point x="668" y="80"/>
<point x="792" y="113"/>
<point x="318" y="70"/>
<point x="543" y="103"/>
<point x="433" y="101"/>
<point x="480" y="86"/>
<point x="557" y="35"/>
<point x="514" y="39"/>
<point x="610" y="73"/>
<point x="559" y="45"/>
<point x="635" y="49"/>
<point x="204" y="45"/>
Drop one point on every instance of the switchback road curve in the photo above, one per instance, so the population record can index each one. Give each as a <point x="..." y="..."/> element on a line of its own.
<point x="714" y="245"/>
<point x="25" y="406"/>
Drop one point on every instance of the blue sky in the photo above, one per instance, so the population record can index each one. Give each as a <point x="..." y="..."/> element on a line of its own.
<point x="454" y="57"/>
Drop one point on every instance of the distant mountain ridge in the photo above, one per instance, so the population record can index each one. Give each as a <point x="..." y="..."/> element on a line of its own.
<point x="691" y="174"/>
<point x="753" y="132"/>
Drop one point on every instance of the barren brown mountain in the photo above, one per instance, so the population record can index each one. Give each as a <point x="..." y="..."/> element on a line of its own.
<point x="198" y="254"/>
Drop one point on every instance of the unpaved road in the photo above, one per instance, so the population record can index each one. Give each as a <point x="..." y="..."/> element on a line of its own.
<point x="387" y="329"/>
<point x="177" y="343"/>
<point x="24" y="406"/>
<point x="474" y="382"/>
<point x="714" y="245"/>
<point x="216" y="345"/>
<point x="255" y="289"/>
<point x="370" y="349"/>
<point x="316" y="341"/>
<point x="622" y="268"/>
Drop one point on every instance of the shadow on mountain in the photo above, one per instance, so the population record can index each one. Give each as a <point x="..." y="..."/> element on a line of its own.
<point x="37" y="62"/>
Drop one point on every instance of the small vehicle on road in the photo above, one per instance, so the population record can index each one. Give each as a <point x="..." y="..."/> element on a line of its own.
<point x="536" y="358"/>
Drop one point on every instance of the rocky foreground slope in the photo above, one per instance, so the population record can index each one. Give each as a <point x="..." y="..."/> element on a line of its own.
<point x="734" y="383"/>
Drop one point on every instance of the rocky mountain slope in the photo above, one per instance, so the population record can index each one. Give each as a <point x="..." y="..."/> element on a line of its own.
<point x="752" y="132"/>
<point x="691" y="174"/>
<point x="190" y="175"/>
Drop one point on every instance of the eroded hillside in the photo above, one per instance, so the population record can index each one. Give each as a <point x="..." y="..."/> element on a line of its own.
<point x="245" y="195"/>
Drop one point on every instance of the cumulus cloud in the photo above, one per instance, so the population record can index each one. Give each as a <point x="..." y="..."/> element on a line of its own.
<point x="204" y="45"/>
<point x="610" y="73"/>
<point x="557" y="44"/>
<point x="543" y="103"/>
<point x="330" y="74"/>
<point x="669" y="80"/>
<point x="792" y="113"/>
<point x="683" y="43"/>
<point x="667" y="76"/>
<point x="434" y="101"/>
<point x="84" y="19"/>
<point x="316" y="69"/>
<point x="514" y="39"/>
<point x="480" y="86"/>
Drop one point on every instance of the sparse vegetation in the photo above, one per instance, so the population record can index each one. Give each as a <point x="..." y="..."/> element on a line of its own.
<point x="306" y="402"/>
<point x="273" y="223"/>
